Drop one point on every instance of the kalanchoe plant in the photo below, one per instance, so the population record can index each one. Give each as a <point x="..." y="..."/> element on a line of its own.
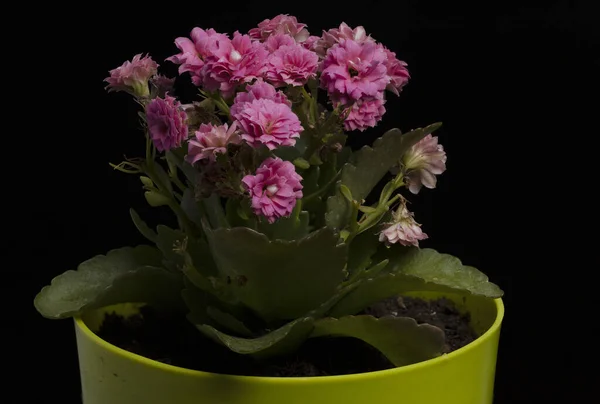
<point x="275" y="240"/>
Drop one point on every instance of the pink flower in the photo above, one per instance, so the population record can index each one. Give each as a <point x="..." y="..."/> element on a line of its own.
<point x="268" y="122"/>
<point x="291" y="65"/>
<point x="352" y="71"/>
<point x="211" y="140"/>
<point x="166" y="123"/>
<point x="133" y="76"/>
<point x="311" y="42"/>
<point x="274" y="189"/>
<point x="397" y="71"/>
<point x="403" y="229"/>
<point x="336" y="35"/>
<point x="423" y="162"/>
<point x="193" y="52"/>
<point x="365" y="113"/>
<point x="240" y="60"/>
<point x="274" y="42"/>
<point x="256" y="91"/>
<point x="281" y="24"/>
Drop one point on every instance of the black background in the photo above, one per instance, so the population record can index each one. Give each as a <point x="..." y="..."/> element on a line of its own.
<point x="513" y="85"/>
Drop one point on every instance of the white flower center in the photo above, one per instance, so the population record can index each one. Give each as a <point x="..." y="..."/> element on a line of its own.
<point x="272" y="190"/>
<point x="235" y="56"/>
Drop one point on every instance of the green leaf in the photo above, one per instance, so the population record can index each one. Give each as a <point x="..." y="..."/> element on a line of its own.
<point x="412" y="269"/>
<point x="176" y="156"/>
<point x="235" y="214"/>
<point x="290" y="228"/>
<point x="301" y="163"/>
<point x="214" y="211"/>
<point x="360" y="251"/>
<point x="191" y="208"/>
<point x="142" y="226"/>
<point x="279" y="280"/>
<point x="228" y="321"/>
<point x="369" y="166"/>
<point x="163" y="176"/>
<point x="400" y="339"/>
<point x="168" y="242"/>
<point x="278" y="342"/>
<point x="345" y="191"/>
<point x="147" y="181"/>
<point x="156" y="199"/>
<point x="126" y="274"/>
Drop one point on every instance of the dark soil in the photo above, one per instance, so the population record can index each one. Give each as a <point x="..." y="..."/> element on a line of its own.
<point x="173" y="340"/>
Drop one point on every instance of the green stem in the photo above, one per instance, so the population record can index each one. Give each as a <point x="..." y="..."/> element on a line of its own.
<point x="322" y="190"/>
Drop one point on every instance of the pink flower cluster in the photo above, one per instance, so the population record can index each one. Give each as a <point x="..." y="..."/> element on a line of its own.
<point x="356" y="71"/>
<point x="423" y="162"/>
<point x="265" y="117"/>
<point x="274" y="189"/>
<point x="403" y="230"/>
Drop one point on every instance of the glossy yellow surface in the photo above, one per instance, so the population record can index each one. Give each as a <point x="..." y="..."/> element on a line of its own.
<point x="110" y="375"/>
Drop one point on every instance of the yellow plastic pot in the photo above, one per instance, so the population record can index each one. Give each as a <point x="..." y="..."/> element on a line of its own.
<point x="110" y="375"/>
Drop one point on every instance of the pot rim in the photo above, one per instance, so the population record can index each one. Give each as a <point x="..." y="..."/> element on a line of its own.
<point x="312" y="379"/>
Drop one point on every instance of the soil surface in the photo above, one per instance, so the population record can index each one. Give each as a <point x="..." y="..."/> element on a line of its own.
<point x="173" y="340"/>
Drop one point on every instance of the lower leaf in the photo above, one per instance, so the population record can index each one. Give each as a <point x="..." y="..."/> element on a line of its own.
<point x="400" y="339"/>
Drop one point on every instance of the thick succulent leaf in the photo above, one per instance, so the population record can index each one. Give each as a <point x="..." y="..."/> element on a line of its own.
<point x="279" y="280"/>
<point x="281" y="341"/>
<point x="126" y="274"/>
<point x="412" y="269"/>
<point x="189" y="204"/>
<point x="400" y="339"/>
<point x="215" y="211"/>
<point x="360" y="252"/>
<point x="142" y="226"/>
<point x="228" y="321"/>
<point x="368" y="167"/>
<point x="290" y="228"/>
<point x="177" y="157"/>
<point x="169" y="242"/>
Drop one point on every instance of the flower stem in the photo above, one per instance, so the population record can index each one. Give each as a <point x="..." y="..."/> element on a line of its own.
<point x="323" y="189"/>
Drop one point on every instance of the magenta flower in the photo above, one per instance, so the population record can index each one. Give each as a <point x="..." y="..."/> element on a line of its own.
<point x="274" y="42"/>
<point x="403" y="230"/>
<point x="274" y="189"/>
<point x="364" y="113"/>
<point x="256" y="91"/>
<point x="352" y="71"/>
<point x="281" y="24"/>
<point x="166" y="123"/>
<point x="211" y="140"/>
<point x="397" y="71"/>
<point x="311" y="42"/>
<point x="423" y="162"/>
<point x="291" y="65"/>
<point x="335" y="35"/>
<point x="193" y="52"/>
<point x="133" y="76"/>
<point x="240" y="60"/>
<point x="268" y="122"/>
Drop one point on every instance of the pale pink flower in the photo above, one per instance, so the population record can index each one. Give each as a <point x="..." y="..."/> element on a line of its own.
<point x="202" y="44"/>
<point x="335" y="35"/>
<point x="133" y="76"/>
<point x="397" y="71"/>
<point x="423" y="162"/>
<point x="238" y="61"/>
<point x="210" y="140"/>
<point x="403" y="230"/>
<point x="310" y="42"/>
<point x="274" y="42"/>
<point x="258" y="90"/>
<point x="274" y="189"/>
<point x="364" y="113"/>
<point x="291" y="65"/>
<point x="352" y="71"/>
<point x="281" y="24"/>
<point x="268" y="122"/>
<point x="167" y="124"/>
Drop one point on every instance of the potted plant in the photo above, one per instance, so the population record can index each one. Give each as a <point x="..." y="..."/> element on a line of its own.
<point x="292" y="270"/>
